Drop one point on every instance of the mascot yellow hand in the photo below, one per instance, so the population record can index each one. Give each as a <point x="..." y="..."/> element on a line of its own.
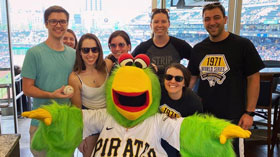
<point x="233" y="131"/>
<point x="40" y="114"/>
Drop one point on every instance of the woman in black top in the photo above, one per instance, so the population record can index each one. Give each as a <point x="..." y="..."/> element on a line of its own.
<point x="177" y="100"/>
<point x="162" y="48"/>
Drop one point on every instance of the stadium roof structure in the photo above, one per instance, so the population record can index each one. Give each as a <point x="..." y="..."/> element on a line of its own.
<point x="183" y="4"/>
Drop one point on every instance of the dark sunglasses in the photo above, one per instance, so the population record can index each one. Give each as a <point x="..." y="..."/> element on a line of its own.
<point x="86" y="50"/>
<point x="113" y="46"/>
<point x="170" y="77"/>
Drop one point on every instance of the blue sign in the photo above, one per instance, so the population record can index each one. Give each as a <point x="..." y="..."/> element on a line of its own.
<point x="270" y="22"/>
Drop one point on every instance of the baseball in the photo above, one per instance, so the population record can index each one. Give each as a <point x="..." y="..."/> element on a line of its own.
<point x="68" y="90"/>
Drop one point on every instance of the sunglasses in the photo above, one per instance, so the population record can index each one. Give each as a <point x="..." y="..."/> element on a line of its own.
<point x="113" y="46"/>
<point x="170" y="77"/>
<point x="86" y="50"/>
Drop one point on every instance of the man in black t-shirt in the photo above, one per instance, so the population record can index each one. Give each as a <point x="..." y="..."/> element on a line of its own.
<point x="227" y="67"/>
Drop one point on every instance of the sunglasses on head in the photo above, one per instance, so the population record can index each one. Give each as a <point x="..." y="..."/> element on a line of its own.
<point x="212" y="5"/>
<point x="86" y="50"/>
<point x="157" y="10"/>
<point x="113" y="46"/>
<point x="170" y="77"/>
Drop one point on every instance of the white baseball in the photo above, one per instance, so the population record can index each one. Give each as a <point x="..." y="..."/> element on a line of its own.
<point x="68" y="90"/>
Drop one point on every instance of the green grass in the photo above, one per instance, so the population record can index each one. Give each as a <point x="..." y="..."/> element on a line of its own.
<point x="4" y="80"/>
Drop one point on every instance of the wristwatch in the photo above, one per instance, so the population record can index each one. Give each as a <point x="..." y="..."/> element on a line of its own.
<point x="250" y="113"/>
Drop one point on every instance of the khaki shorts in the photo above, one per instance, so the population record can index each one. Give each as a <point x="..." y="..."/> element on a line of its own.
<point x="35" y="153"/>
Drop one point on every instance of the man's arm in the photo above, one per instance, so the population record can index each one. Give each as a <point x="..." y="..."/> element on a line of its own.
<point x="253" y="89"/>
<point x="29" y="89"/>
<point x="193" y="81"/>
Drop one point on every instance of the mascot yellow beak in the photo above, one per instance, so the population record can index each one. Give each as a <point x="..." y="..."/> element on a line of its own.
<point x="131" y="92"/>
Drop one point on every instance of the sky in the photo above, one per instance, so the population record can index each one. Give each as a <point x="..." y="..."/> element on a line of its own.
<point x="122" y="10"/>
<point x="122" y="6"/>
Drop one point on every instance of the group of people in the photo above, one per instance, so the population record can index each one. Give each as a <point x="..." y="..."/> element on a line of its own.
<point x="224" y="66"/>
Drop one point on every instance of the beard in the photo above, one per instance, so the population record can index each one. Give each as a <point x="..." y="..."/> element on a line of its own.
<point x="216" y="33"/>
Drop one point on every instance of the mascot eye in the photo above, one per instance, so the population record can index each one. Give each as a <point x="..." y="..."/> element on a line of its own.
<point x="126" y="62"/>
<point x="142" y="61"/>
<point x="126" y="59"/>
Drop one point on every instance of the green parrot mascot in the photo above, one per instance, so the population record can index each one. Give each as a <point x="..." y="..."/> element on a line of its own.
<point x="131" y="124"/>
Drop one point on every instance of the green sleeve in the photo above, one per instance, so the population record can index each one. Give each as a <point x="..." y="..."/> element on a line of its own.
<point x="63" y="135"/>
<point x="199" y="136"/>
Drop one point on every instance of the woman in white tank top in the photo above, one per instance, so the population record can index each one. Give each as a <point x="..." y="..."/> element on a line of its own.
<point x="90" y="71"/>
<point x="89" y="76"/>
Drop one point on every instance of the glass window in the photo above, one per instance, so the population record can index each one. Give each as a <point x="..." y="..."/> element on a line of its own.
<point x="6" y="102"/>
<point x="260" y="22"/>
<point x="4" y="48"/>
<point x="186" y="23"/>
<point x="100" y="17"/>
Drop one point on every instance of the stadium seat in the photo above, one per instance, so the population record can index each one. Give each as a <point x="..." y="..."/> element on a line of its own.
<point x="267" y="102"/>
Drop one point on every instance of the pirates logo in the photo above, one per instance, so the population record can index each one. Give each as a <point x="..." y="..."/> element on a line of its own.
<point x="213" y="68"/>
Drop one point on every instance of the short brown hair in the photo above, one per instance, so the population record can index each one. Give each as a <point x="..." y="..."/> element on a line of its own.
<point x="213" y="6"/>
<point x="121" y="33"/>
<point x="57" y="9"/>
<point x="79" y="65"/>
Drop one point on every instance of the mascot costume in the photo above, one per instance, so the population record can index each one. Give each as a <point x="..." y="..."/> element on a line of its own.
<point x="131" y="124"/>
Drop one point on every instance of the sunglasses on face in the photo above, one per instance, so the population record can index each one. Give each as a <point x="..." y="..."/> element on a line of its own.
<point x="86" y="50"/>
<point x="113" y="46"/>
<point x="170" y="77"/>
